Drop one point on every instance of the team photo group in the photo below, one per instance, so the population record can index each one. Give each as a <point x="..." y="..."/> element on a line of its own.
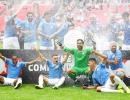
<point x="95" y="33"/>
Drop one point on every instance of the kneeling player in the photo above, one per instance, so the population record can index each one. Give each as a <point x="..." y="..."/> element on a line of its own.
<point x="14" y="70"/>
<point x="104" y="81"/>
<point x="56" y="78"/>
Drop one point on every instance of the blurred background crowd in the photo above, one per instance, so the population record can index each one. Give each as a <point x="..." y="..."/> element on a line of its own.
<point x="43" y="24"/>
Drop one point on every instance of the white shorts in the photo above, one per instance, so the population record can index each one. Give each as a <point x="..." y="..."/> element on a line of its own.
<point x="9" y="81"/>
<point x="28" y="45"/>
<point x="53" y="81"/>
<point x="109" y="85"/>
<point x="119" y="73"/>
<point x="11" y="43"/>
<point x="46" y="48"/>
<point x="125" y="47"/>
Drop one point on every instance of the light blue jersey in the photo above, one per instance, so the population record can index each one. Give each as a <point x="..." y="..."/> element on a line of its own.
<point x="114" y="29"/>
<point x="100" y="75"/>
<point x="95" y="28"/>
<point x="63" y="30"/>
<point x="126" y="30"/>
<point x="14" y="70"/>
<point x="55" y="70"/>
<point x="47" y="28"/>
<point x="10" y="28"/>
<point x="118" y="55"/>
<point x="29" y="26"/>
<point x="18" y="22"/>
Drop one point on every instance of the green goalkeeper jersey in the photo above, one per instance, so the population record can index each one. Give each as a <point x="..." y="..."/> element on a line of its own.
<point x="80" y="57"/>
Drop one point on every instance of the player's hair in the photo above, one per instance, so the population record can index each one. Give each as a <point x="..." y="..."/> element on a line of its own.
<point x="46" y="13"/>
<point x="80" y="40"/>
<point x="113" y="43"/>
<point x="125" y="14"/>
<point x="14" y="55"/>
<point x="93" y="59"/>
<point x="55" y="54"/>
<point x="29" y="13"/>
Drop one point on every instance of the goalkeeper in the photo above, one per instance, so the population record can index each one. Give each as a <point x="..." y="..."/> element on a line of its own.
<point x="81" y="56"/>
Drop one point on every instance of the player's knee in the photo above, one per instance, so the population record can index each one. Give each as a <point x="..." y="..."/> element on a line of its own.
<point x="120" y="74"/>
<point x="41" y="76"/>
<point x="70" y="72"/>
<point x="63" y="78"/>
<point x="1" y="80"/>
<point x="44" y="78"/>
<point x="112" y="76"/>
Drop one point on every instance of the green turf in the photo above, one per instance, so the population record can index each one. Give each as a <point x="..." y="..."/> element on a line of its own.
<point x="28" y="92"/>
<point x="1" y="45"/>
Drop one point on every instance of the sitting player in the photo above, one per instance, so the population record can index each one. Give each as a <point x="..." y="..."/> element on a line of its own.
<point x="14" y="70"/>
<point x="103" y="81"/>
<point x="56" y="78"/>
<point x="115" y="60"/>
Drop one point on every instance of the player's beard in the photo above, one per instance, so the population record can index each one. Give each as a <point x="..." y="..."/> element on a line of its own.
<point x="80" y="47"/>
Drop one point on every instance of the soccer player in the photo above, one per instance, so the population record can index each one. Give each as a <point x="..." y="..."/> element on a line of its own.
<point x="126" y="31"/>
<point x="94" y="31"/>
<point x="103" y="81"/>
<point x="14" y="70"/>
<point x="81" y="56"/>
<point x="113" y="29"/>
<point x="115" y="60"/>
<point x="46" y="28"/>
<point x="63" y="27"/>
<point x="28" y="30"/>
<point x="56" y="78"/>
<point x="10" y="34"/>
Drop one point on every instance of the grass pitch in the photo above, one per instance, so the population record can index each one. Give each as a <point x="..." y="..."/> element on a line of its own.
<point x="28" y="92"/>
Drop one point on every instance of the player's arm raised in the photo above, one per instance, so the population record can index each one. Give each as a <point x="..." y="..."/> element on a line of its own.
<point x="33" y="61"/>
<point x="68" y="50"/>
<point x="60" y="45"/>
<point x="42" y="57"/>
<point x="99" y="54"/>
<point x="65" y="58"/>
<point x="41" y="34"/>
<point x="38" y="59"/>
<point x="57" y="32"/>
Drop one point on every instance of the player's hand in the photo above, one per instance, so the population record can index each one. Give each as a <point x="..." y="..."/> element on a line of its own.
<point x="38" y="59"/>
<point x="116" y="61"/>
<point x="47" y="37"/>
<point x="52" y="37"/>
<point x="121" y="33"/>
<point x="89" y="87"/>
<point x="60" y="45"/>
<point x="41" y="57"/>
